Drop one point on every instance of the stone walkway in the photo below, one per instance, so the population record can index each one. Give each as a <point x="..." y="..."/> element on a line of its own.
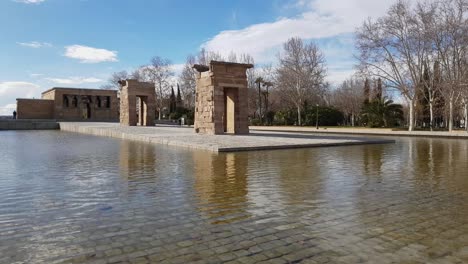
<point x="363" y="131"/>
<point x="185" y="137"/>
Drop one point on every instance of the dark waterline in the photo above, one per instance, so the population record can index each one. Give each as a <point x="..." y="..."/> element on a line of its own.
<point x="70" y="197"/>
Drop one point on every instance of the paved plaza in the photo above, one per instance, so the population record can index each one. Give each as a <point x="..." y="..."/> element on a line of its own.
<point x="186" y="137"/>
<point x="364" y="131"/>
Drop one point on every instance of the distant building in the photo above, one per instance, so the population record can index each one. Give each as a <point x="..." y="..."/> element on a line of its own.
<point x="71" y="104"/>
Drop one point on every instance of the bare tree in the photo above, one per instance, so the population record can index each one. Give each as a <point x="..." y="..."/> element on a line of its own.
<point x="188" y="82"/>
<point x="113" y="81"/>
<point x="267" y="73"/>
<point x="431" y="83"/>
<point x="159" y="72"/>
<point x="450" y="38"/>
<point x="252" y="75"/>
<point x="394" y="48"/>
<point x="301" y="73"/>
<point x="137" y="74"/>
<point x="204" y="56"/>
<point x="349" y="97"/>
<point x="464" y="93"/>
<point x="232" y="57"/>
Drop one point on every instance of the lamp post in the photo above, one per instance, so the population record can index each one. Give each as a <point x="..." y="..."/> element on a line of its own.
<point x="259" y="81"/>
<point x="316" y="117"/>
<point x="260" y="103"/>
<point x="267" y="85"/>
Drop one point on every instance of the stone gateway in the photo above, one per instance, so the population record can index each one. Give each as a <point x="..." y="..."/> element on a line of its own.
<point x="221" y="98"/>
<point x="145" y="93"/>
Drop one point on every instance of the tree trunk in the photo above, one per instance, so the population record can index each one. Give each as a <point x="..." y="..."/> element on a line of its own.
<point x="299" y="117"/>
<point x="450" y="121"/>
<point x="160" y="100"/>
<point x="431" y="113"/>
<point x="466" y="116"/>
<point x="352" y="119"/>
<point x="411" y="116"/>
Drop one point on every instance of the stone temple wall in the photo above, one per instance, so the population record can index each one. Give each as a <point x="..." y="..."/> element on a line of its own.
<point x="34" y="109"/>
<point x="71" y="104"/>
<point x="75" y="104"/>
<point x="216" y="83"/>
<point x="204" y="106"/>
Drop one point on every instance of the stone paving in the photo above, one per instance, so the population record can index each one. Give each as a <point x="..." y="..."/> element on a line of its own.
<point x="364" y="131"/>
<point x="186" y="137"/>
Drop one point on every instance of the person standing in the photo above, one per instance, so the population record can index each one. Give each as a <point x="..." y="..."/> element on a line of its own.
<point x="14" y="114"/>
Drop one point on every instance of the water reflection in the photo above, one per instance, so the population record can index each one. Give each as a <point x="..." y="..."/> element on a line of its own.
<point x="136" y="157"/>
<point x="373" y="160"/>
<point x="439" y="163"/>
<point x="63" y="196"/>
<point x="221" y="186"/>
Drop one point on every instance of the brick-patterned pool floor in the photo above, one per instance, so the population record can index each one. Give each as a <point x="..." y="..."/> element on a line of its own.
<point x="70" y="198"/>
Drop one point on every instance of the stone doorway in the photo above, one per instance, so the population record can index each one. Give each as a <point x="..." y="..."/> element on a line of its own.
<point x="131" y="92"/>
<point x="86" y="108"/>
<point x="230" y="116"/>
<point x="142" y="110"/>
<point x="222" y="98"/>
<point x="88" y="111"/>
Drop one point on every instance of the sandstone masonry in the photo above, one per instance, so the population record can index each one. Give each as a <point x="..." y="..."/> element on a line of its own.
<point x="71" y="104"/>
<point x="221" y="98"/>
<point x="129" y="93"/>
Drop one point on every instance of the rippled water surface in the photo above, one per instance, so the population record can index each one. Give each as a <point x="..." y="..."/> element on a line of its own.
<point x="73" y="198"/>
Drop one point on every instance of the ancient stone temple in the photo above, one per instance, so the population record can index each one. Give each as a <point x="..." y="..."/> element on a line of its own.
<point x="141" y="96"/>
<point x="71" y="104"/>
<point x="221" y="98"/>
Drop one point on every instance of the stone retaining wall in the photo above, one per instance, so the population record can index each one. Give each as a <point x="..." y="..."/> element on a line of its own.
<point x="28" y="124"/>
<point x="365" y="131"/>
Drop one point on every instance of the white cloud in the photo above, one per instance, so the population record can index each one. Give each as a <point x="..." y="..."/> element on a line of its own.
<point x="35" y="75"/>
<point x="337" y="76"/>
<point x="9" y="91"/>
<point x="74" y="80"/>
<point x="30" y="1"/>
<point x="319" y="19"/>
<point x="25" y="89"/>
<point x="7" y="110"/>
<point x="322" y="19"/>
<point x="34" y="44"/>
<point x="89" y="54"/>
<point x="177" y="68"/>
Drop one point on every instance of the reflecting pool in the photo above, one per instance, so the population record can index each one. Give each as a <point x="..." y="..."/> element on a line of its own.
<point x="71" y="198"/>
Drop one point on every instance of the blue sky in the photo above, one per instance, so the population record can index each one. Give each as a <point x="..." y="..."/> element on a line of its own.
<point x="79" y="43"/>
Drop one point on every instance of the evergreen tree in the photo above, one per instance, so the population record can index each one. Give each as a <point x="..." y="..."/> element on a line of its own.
<point x="439" y="101"/>
<point x="366" y="91"/>
<point x="179" y="97"/>
<point x="378" y="90"/>
<point x="423" y="97"/>
<point x="172" y="103"/>
<point x="382" y="113"/>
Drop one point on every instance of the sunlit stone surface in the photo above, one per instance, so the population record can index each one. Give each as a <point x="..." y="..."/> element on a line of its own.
<point x="71" y="198"/>
<point x="185" y="137"/>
